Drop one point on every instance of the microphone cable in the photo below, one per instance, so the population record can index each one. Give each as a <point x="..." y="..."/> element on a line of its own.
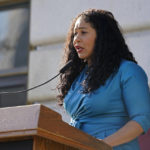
<point x="60" y="72"/>
<point x="22" y="91"/>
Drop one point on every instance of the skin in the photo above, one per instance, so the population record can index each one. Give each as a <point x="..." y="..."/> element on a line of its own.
<point x="84" y="41"/>
<point x="127" y="133"/>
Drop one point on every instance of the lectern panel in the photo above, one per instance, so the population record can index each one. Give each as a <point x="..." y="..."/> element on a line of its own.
<point x="17" y="145"/>
<point x="45" y="144"/>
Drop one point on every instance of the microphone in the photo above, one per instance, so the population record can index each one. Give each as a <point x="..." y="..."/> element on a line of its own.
<point x="62" y="70"/>
<point x="68" y="64"/>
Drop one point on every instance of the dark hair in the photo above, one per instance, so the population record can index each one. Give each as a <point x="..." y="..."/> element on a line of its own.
<point x="110" y="48"/>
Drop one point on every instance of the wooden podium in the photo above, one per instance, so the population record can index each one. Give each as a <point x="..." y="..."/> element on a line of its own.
<point x="36" y="127"/>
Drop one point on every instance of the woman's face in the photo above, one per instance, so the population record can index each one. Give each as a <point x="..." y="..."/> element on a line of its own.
<point x="84" y="39"/>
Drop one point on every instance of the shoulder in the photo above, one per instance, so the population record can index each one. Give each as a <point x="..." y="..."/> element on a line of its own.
<point x="130" y="69"/>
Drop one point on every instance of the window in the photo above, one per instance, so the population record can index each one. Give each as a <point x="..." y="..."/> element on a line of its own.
<point x="14" y="46"/>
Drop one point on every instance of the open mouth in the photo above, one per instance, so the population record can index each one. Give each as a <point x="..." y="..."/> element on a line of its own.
<point x="79" y="49"/>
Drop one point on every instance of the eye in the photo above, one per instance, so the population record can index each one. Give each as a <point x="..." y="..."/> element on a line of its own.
<point x="79" y="32"/>
<point x="83" y="32"/>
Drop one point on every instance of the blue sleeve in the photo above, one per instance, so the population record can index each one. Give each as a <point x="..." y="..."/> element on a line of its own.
<point x="136" y="94"/>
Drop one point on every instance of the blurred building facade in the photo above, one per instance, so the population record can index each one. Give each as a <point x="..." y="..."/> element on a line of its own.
<point x="14" y="50"/>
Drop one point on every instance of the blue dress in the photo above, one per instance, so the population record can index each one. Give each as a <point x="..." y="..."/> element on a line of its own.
<point x="124" y="97"/>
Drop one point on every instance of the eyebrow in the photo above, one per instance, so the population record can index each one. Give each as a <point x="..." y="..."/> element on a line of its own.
<point x="80" y="28"/>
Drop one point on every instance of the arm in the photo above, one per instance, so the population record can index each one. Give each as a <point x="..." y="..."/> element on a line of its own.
<point x="127" y="133"/>
<point x="136" y="98"/>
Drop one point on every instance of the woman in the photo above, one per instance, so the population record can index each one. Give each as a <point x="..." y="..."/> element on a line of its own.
<point x="105" y="92"/>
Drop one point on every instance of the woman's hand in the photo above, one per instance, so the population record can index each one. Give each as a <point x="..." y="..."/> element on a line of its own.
<point x="127" y="133"/>
<point x="105" y="142"/>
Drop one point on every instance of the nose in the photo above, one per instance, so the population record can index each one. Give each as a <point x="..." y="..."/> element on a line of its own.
<point x="77" y="38"/>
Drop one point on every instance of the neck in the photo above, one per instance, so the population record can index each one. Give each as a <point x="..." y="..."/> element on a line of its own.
<point x="89" y="62"/>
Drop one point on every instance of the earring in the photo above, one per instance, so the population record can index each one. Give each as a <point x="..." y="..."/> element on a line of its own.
<point x="84" y="60"/>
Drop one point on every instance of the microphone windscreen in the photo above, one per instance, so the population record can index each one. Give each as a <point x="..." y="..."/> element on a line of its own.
<point x="69" y="63"/>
